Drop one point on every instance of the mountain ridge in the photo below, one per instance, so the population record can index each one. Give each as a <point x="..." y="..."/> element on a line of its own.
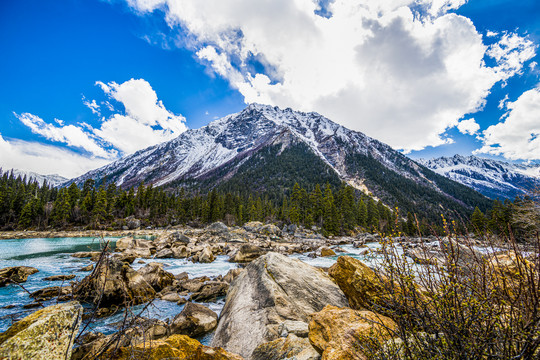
<point x="53" y="180"/>
<point x="222" y="146"/>
<point x="493" y="178"/>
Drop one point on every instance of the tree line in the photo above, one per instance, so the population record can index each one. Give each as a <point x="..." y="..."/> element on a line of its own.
<point x="25" y="204"/>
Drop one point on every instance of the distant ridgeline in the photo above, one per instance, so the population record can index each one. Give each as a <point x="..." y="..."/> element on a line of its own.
<point x="333" y="206"/>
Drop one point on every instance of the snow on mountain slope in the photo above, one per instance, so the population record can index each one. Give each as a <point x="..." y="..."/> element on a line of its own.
<point x="198" y="151"/>
<point x="225" y="150"/>
<point x="495" y="179"/>
<point x="52" y="180"/>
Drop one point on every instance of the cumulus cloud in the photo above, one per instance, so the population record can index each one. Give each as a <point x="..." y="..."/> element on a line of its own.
<point x="468" y="127"/>
<point x="70" y="134"/>
<point x="145" y="122"/>
<point x="517" y="136"/>
<point x="45" y="159"/>
<point x="402" y="71"/>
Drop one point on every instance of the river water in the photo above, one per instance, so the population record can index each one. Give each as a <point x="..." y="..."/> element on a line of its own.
<point x="53" y="257"/>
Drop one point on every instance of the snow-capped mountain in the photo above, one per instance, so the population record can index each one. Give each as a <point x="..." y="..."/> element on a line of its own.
<point x="495" y="179"/>
<point x="217" y="152"/>
<point x="52" y="180"/>
<point x="197" y="152"/>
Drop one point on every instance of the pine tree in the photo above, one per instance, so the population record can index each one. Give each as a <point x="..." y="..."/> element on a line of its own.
<point x="99" y="212"/>
<point x="372" y="215"/>
<point x="316" y="200"/>
<point x="478" y="220"/>
<point x="410" y="226"/>
<point x="362" y="213"/>
<point x="330" y="221"/>
<point x="348" y="209"/>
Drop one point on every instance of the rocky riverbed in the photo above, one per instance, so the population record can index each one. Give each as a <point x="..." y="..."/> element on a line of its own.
<point x="252" y="292"/>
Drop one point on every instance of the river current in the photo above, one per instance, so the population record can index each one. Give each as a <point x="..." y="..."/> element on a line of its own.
<point x="53" y="257"/>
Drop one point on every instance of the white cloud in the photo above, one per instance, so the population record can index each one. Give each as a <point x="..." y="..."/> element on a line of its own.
<point x="71" y="135"/>
<point x="146" y="121"/>
<point x="379" y="67"/>
<point x="518" y="135"/>
<point x="45" y="159"/>
<point x="502" y="102"/>
<point x="510" y="53"/>
<point x="92" y="105"/>
<point x="468" y="127"/>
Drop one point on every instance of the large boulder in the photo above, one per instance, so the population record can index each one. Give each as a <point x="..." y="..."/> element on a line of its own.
<point x="325" y="251"/>
<point x="205" y="255"/>
<point x="343" y="333"/>
<point x="232" y="274"/>
<point x="269" y="230"/>
<point x="124" y="243"/>
<point x="51" y="292"/>
<point x="114" y="283"/>
<point x="174" y="347"/>
<point x="253" y="226"/>
<point x="46" y="334"/>
<point x="217" y="228"/>
<point x="210" y="291"/>
<point x="180" y="252"/>
<point x="247" y="253"/>
<point x="136" y="247"/>
<point x="158" y="278"/>
<point x="362" y="286"/>
<point x="194" y="320"/>
<point x="133" y="223"/>
<point x="291" y="347"/>
<point x="15" y="274"/>
<point x="272" y="289"/>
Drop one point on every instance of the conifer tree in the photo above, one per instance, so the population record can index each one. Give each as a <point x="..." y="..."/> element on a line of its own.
<point x="362" y="213"/>
<point x="330" y="221"/>
<point x="478" y="220"/>
<point x="99" y="212"/>
<point x="316" y="200"/>
<point x="372" y="215"/>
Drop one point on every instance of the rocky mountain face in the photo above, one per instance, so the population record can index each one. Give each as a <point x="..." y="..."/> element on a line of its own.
<point x="494" y="179"/>
<point x="264" y="147"/>
<point x="52" y="180"/>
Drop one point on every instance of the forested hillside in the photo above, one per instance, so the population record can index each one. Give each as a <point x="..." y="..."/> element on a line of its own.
<point x="335" y="208"/>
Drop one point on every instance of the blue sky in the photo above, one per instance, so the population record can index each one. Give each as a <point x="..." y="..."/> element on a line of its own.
<point x="86" y="81"/>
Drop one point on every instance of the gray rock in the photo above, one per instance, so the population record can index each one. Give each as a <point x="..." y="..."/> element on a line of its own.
<point x="205" y="255"/>
<point x="210" y="291"/>
<point x="178" y="237"/>
<point x="247" y="253"/>
<point x="51" y="292"/>
<point x="298" y="328"/>
<point x="154" y="275"/>
<point x="232" y="274"/>
<point x="180" y="252"/>
<point x="133" y="223"/>
<point x="114" y="283"/>
<point x="271" y="290"/>
<point x="292" y="228"/>
<point x="165" y="253"/>
<point x="217" y="227"/>
<point x="291" y="347"/>
<point x="46" y="334"/>
<point x="15" y="274"/>
<point x="194" y="320"/>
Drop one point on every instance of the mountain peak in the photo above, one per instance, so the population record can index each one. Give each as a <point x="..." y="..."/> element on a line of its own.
<point x="293" y="144"/>
<point x="493" y="178"/>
